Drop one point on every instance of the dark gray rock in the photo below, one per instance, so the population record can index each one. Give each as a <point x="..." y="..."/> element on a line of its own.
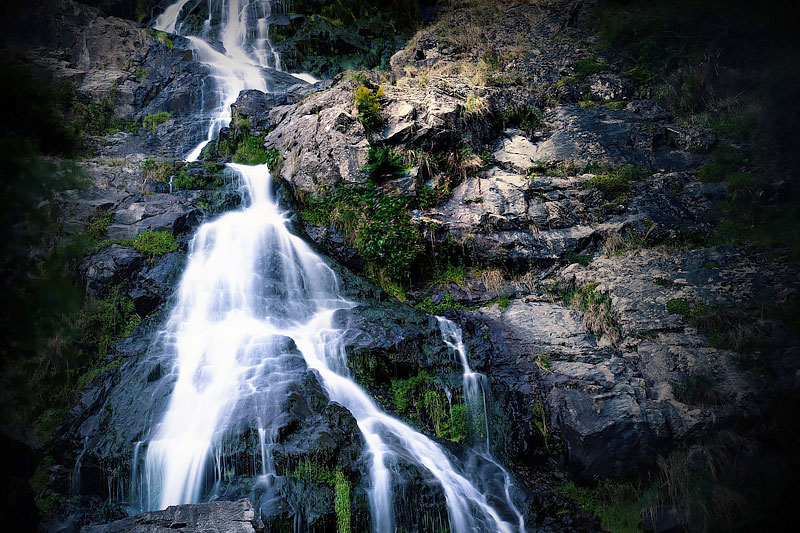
<point x="214" y="517"/>
<point x="110" y="266"/>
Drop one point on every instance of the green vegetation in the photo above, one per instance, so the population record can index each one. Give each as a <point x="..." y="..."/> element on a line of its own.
<point x="682" y="53"/>
<point x="524" y="117"/>
<point x="574" y="257"/>
<point x="697" y="389"/>
<point x="732" y="328"/>
<point x="368" y="104"/>
<point x="542" y="361"/>
<point x="376" y="224"/>
<point x="148" y="242"/>
<point x="617" y="504"/>
<point x="678" y="306"/>
<point x="723" y="161"/>
<point x="475" y="103"/>
<point x="583" y="69"/>
<point x="164" y="39"/>
<point x="598" y="315"/>
<point x="421" y="400"/>
<point x="447" y="302"/>
<point x="154" y="242"/>
<point x="250" y="151"/>
<point x="344" y="36"/>
<point x="384" y="163"/>
<point x="315" y="472"/>
<point x="503" y="302"/>
<point x="156" y="170"/>
<point x="274" y="161"/>
<point x="151" y="121"/>
<point x="616" y="185"/>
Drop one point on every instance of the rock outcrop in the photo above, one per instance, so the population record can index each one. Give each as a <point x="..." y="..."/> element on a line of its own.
<point x="214" y="517"/>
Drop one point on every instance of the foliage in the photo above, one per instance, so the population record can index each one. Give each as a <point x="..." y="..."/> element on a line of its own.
<point x="573" y="257"/>
<point x="475" y="103"/>
<point x="183" y="181"/>
<point x="421" y="400"/>
<point x="598" y="315"/>
<point x="156" y="170"/>
<point x="584" y="68"/>
<point x="377" y="225"/>
<point x="447" y="302"/>
<point x="503" y="302"/>
<point x="615" y="185"/>
<point x="449" y="273"/>
<point x="723" y="161"/>
<point x="151" y="121"/>
<point x="678" y="306"/>
<point x="525" y="117"/>
<point x="542" y="361"/>
<point x="274" y="161"/>
<point x="384" y="163"/>
<point x="155" y="242"/>
<point x="164" y="39"/>
<point x="315" y="472"/>
<point x="682" y="53"/>
<point x="250" y="151"/>
<point x="368" y="104"/>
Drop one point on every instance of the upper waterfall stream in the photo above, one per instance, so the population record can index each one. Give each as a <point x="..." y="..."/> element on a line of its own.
<point x="255" y="307"/>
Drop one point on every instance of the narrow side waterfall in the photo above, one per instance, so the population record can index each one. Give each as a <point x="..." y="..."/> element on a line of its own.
<point x="255" y="307"/>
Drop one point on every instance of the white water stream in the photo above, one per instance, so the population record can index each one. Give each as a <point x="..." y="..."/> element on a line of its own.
<point x="250" y="292"/>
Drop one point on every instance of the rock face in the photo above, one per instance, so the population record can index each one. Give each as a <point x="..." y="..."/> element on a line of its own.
<point x="214" y="517"/>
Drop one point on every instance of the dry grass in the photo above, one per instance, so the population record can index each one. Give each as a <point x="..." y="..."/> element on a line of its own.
<point x="475" y="104"/>
<point x="702" y="482"/>
<point x="492" y="280"/>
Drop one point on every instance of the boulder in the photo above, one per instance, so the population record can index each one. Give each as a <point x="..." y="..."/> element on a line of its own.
<point x="214" y="517"/>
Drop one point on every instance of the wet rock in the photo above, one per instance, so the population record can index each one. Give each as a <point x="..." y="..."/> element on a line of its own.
<point x="110" y="266"/>
<point x="214" y="517"/>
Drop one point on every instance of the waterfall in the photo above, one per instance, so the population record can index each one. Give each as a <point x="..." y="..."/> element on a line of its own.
<point x="255" y="307"/>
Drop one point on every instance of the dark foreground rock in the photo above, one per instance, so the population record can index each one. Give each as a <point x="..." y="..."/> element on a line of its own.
<point x="214" y="517"/>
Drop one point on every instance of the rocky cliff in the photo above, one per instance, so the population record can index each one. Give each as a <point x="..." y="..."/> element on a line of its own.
<point x="605" y="251"/>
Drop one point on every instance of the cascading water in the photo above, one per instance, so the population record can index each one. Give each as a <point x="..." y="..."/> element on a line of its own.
<point x="250" y="294"/>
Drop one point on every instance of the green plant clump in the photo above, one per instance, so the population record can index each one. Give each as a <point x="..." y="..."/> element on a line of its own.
<point x="377" y="225"/>
<point x="447" y="302"/>
<point x="678" y="306"/>
<point x="250" y="151"/>
<point x="274" y="161"/>
<point x="151" y="121"/>
<point x="314" y="472"/>
<point x="157" y="171"/>
<point x="384" y="163"/>
<point x="368" y="104"/>
<point x="153" y="243"/>
<point x="525" y="117"/>
<point x="615" y="185"/>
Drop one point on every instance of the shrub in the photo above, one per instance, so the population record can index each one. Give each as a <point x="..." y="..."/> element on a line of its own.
<point x="151" y="121"/>
<point x="154" y="242"/>
<point x="157" y="171"/>
<point x="183" y="181"/>
<point x="526" y="117"/>
<point x="368" y="104"/>
<point x="274" y="161"/>
<point x="250" y="151"/>
<point x="384" y="163"/>
<point x="377" y="225"/>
